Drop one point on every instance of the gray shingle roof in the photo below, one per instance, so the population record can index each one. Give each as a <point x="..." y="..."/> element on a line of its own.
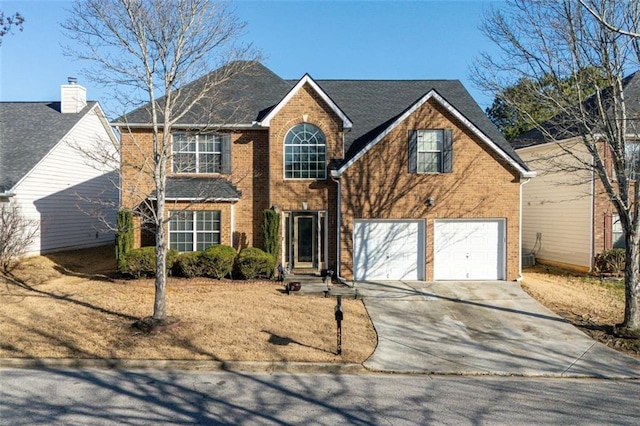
<point x="371" y="104"/>
<point x="200" y="188"/>
<point x="241" y="99"/>
<point x="564" y="127"/>
<point x="28" y="131"/>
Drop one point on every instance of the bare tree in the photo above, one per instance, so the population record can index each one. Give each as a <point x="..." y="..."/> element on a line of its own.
<point x="8" y="22"/>
<point x="147" y="51"/>
<point x="16" y="234"/>
<point x="559" y="40"/>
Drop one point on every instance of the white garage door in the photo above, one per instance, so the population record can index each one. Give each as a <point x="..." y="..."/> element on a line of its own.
<point x="469" y="249"/>
<point x="388" y="249"/>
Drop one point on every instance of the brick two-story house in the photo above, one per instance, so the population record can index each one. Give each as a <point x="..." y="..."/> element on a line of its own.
<point x="373" y="179"/>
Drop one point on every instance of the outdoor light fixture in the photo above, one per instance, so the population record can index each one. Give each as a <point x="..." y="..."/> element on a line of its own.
<point x="430" y="202"/>
<point x="304" y="205"/>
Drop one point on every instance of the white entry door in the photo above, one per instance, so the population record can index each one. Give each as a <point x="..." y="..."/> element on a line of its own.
<point x="388" y="249"/>
<point x="469" y="249"/>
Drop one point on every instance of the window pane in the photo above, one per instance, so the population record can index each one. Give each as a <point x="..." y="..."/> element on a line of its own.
<point x="428" y="162"/>
<point x="304" y="155"/>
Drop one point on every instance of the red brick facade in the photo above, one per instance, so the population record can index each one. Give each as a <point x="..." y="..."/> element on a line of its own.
<point x="377" y="185"/>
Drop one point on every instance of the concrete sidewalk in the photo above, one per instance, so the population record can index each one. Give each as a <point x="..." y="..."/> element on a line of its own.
<point x="480" y="328"/>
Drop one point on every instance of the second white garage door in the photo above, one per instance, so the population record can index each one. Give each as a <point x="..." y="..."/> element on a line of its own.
<point x="388" y="249"/>
<point x="469" y="249"/>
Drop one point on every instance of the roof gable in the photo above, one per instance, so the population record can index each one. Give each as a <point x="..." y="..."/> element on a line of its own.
<point x="28" y="132"/>
<point x="432" y="94"/>
<point x="306" y="79"/>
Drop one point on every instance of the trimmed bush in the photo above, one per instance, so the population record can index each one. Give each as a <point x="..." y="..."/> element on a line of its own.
<point x="253" y="262"/>
<point x="610" y="261"/>
<point x="217" y="261"/>
<point x="142" y="261"/>
<point x="124" y="237"/>
<point x="188" y="264"/>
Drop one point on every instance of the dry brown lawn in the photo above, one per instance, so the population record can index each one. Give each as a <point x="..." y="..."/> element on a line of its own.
<point x="64" y="305"/>
<point x="592" y="305"/>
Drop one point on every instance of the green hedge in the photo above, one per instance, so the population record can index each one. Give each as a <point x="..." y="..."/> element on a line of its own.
<point x="188" y="265"/>
<point x="142" y="261"/>
<point x="253" y="262"/>
<point x="124" y="237"/>
<point x="217" y="261"/>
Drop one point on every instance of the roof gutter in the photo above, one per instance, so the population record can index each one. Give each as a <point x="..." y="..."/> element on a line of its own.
<point x="200" y="199"/>
<point x="239" y="126"/>
<point x="7" y="194"/>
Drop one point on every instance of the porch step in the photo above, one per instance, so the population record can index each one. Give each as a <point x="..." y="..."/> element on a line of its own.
<point x="314" y="285"/>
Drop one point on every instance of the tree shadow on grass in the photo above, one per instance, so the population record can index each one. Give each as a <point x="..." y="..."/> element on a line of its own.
<point x="278" y="340"/>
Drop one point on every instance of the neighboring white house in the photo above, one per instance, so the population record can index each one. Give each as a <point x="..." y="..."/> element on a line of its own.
<point x="558" y="206"/>
<point x="46" y="173"/>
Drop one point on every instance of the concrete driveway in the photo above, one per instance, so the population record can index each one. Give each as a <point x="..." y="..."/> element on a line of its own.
<point x="480" y="328"/>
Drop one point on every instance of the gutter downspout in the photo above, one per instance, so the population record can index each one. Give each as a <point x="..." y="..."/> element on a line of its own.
<point x="335" y="176"/>
<point x="520" y="232"/>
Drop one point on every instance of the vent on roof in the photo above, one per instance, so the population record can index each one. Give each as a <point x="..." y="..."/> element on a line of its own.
<point x="73" y="97"/>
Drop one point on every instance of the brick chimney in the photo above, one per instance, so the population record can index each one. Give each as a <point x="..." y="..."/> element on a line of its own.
<point x="73" y="97"/>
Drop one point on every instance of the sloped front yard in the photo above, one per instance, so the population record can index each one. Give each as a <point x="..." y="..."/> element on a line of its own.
<point x="58" y="307"/>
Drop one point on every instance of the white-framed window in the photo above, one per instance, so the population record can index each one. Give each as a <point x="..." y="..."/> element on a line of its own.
<point x="431" y="151"/>
<point x="632" y="157"/>
<point x="305" y="149"/>
<point x="617" y="233"/>
<point x="430" y="144"/>
<point x="198" y="153"/>
<point x="194" y="230"/>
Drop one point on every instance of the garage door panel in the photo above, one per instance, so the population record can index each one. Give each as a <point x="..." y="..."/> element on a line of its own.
<point x="469" y="249"/>
<point x="388" y="249"/>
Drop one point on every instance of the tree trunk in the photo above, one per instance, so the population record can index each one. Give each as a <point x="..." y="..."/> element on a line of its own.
<point x="631" y="284"/>
<point x="159" y="304"/>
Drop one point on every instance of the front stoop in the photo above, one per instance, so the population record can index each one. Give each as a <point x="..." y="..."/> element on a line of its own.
<point x="311" y="284"/>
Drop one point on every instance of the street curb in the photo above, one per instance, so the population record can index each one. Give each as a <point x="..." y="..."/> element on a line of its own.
<point x="144" y="364"/>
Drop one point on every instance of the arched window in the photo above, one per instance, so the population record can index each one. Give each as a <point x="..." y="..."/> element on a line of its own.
<point x="305" y="149"/>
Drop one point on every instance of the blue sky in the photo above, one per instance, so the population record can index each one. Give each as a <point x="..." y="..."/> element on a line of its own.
<point x="328" y="39"/>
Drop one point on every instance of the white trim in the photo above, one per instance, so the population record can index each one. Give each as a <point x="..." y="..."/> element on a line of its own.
<point x="306" y="79"/>
<point x="432" y="94"/>
<point x="233" y="223"/>
<point x="187" y="126"/>
<point x="201" y="199"/>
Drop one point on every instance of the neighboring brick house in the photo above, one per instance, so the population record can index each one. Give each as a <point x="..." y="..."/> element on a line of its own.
<point x="50" y="170"/>
<point x="373" y="179"/>
<point x="568" y="218"/>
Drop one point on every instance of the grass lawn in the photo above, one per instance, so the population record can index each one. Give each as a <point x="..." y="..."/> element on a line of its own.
<point x="64" y="305"/>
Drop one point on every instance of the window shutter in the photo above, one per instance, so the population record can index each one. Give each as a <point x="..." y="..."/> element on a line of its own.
<point x="447" y="151"/>
<point x="226" y="155"/>
<point x="413" y="151"/>
<point x="608" y="231"/>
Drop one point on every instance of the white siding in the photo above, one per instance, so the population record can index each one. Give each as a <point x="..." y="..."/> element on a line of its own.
<point x="557" y="204"/>
<point x="67" y="193"/>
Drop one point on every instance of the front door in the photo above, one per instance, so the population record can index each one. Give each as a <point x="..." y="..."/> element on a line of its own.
<point x="304" y="241"/>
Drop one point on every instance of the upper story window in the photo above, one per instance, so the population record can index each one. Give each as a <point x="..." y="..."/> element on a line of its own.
<point x="632" y="154"/>
<point x="431" y="151"/>
<point x="201" y="153"/>
<point x="305" y="149"/>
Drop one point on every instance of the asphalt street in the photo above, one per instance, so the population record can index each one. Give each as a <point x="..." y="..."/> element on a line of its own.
<point x="142" y="397"/>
